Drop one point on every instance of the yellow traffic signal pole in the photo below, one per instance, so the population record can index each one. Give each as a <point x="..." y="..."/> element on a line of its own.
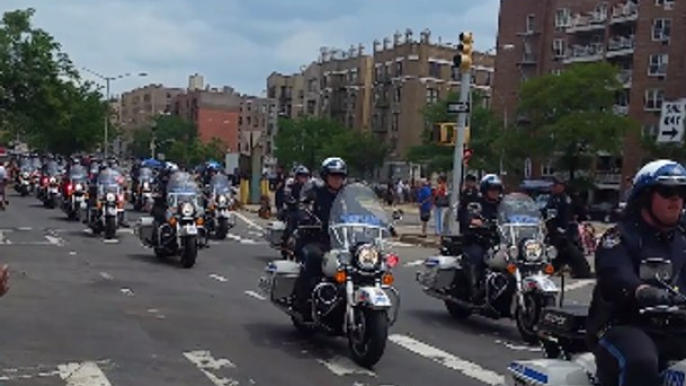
<point x="463" y="60"/>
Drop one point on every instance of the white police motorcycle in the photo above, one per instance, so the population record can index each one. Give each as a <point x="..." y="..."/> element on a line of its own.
<point x="562" y="330"/>
<point x="517" y="282"/>
<point x="219" y="216"/>
<point x="353" y="298"/>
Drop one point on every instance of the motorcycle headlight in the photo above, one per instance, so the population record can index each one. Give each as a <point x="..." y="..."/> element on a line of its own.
<point x="52" y="180"/>
<point x="146" y="186"/>
<point x="551" y="251"/>
<point x="367" y="257"/>
<point x="78" y="187"/>
<point x="25" y="175"/>
<point x="221" y="200"/>
<point x="187" y="209"/>
<point x="533" y="250"/>
<point x="110" y="197"/>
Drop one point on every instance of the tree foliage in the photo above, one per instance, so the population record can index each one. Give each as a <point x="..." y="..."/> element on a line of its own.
<point x="571" y="116"/>
<point x="43" y="101"/>
<point x="485" y="134"/>
<point x="308" y="141"/>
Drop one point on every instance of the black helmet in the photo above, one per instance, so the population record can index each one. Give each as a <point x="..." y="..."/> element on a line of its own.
<point x="333" y="165"/>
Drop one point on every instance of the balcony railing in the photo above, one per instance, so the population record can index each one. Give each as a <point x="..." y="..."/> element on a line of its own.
<point x="621" y="45"/>
<point x="589" y="22"/>
<point x="589" y="53"/>
<point x="620" y="109"/>
<point x="624" y="12"/>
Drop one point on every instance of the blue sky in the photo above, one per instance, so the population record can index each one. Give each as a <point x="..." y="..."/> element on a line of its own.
<point x="238" y="42"/>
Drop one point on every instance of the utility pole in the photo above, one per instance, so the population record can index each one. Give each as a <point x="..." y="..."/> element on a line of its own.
<point x="463" y="62"/>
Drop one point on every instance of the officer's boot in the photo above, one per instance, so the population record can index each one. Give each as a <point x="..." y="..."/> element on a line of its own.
<point x="476" y="285"/>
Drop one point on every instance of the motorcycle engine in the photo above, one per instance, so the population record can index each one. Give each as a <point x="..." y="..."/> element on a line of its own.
<point x="497" y="285"/>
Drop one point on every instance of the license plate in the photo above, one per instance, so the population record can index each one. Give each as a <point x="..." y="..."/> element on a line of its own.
<point x="52" y="190"/>
<point x="112" y="211"/>
<point x="190" y="230"/>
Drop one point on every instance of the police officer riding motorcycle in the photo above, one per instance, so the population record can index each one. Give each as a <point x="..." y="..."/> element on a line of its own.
<point x="290" y="212"/>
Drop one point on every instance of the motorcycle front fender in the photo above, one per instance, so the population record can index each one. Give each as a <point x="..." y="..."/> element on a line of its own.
<point x="371" y="297"/>
<point x="539" y="283"/>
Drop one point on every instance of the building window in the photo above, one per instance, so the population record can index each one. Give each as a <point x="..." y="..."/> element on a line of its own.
<point x="653" y="99"/>
<point x="398" y="68"/>
<point x="312" y="85"/>
<point x="434" y="70"/>
<point x="661" y="30"/>
<point x="547" y="168"/>
<point x="530" y="23"/>
<point x="489" y="78"/>
<point x="556" y="71"/>
<point x="395" y="122"/>
<point x="352" y="76"/>
<point x="668" y="4"/>
<point x="562" y="18"/>
<point x="559" y="48"/>
<point x="377" y="73"/>
<point x="431" y="95"/>
<point x="649" y="131"/>
<point x="658" y="65"/>
<point x="398" y="94"/>
<point x="387" y="71"/>
<point x="311" y="107"/>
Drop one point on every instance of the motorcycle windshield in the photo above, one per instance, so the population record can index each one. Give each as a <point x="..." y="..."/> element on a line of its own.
<point x="220" y="184"/>
<point x="145" y="174"/>
<point x="77" y="173"/>
<point x="519" y="218"/>
<point x="109" y="177"/>
<point x="52" y="169"/>
<point x="182" y="183"/>
<point x="357" y="217"/>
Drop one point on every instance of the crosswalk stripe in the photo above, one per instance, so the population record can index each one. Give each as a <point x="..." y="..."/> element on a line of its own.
<point x="83" y="374"/>
<point x="207" y="364"/>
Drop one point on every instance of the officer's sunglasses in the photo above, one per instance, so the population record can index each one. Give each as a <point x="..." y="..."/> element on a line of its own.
<point x="671" y="191"/>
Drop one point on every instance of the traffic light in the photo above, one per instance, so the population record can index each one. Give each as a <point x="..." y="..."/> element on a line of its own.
<point x="447" y="134"/>
<point x="463" y="59"/>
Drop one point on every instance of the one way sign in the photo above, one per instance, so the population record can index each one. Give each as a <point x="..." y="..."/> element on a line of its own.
<point x="672" y="121"/>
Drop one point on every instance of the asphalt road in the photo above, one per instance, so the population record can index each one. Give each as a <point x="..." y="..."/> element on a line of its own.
<point x="83" y="312"/>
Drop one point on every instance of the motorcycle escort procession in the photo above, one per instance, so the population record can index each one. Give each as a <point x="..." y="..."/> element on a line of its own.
<point x="24" y="183"/>
<point x="562" y="332"/>
<point x="219" y="217"/>
<point x="517" y="282"/>
<point x="106" y="210"/>
<point x="48" y="189"/>
<point x="353" y="298"/>
<point x="182" y="233"/>
<point x="75" y="192"/>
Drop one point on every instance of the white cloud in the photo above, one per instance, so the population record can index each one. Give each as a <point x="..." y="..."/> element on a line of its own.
<point x="236" y="42"/>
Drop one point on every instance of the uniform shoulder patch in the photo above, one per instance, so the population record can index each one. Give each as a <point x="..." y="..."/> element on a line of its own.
<point x="611" y="238"/>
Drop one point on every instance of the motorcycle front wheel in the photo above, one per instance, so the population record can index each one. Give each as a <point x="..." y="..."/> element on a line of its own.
<point x="367" y="341"/>
<point x="527" y="317"/>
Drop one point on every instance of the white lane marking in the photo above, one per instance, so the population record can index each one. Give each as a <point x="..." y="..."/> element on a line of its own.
<point x="83" y="374"/>
<point x="517" y="347"/>
<point x="248" y="221"/>
<point x="248" y="241"/>
<point x="343" y="366"/>
<point x="205" y="362"/>
<point x="255" y="295"/>
<point x="156" y="312"/>
<point x="415" y="263"/>
<point x="234" y="237"/>
<point x="218" y="277"/>
<point x="256" y="233"/>
<point x="579" y="284"/>
<point x="3" y="240"/>
<point x="54" y="240"/>
<point x="126" y="291"/>
<point x="401" y="244"/>
<point x="448" y="360"/>
<point x="25" y="228"/>
<point x="72" y="253"/>
<point x="88" y="230"/>
<point x="125" y="231"/>
<point x="110" y="241"/>
<point x="106" y="276"/>
<point x="40" y="371"/>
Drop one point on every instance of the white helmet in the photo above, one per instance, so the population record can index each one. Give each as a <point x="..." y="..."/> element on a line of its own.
<point x="172" y="167"/>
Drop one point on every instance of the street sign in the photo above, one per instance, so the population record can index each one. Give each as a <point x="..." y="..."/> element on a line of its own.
<point x="672" y="121"/>
<point x="458" y="107"/>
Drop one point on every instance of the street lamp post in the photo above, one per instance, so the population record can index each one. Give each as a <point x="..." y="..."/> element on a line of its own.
<point x="107" y="80"/>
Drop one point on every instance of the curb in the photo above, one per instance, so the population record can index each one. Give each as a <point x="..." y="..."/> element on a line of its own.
<point x="428" y="242"/>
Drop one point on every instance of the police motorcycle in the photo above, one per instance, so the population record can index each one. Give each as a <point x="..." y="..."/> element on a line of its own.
<point x="23" y="183"/>
<point x="353" y="298"/>
<point x="75" y="191"/>
<point x="562" y="331"/>
<point x="183" y="232"/>
<point x="48" y="190"/>
<point x="107" y="210"/>
<point x="517" y="282"/>
<point x="219" y="217"/>
<point x="142" y="189"/>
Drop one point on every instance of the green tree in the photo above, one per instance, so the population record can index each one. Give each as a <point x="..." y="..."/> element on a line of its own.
<point x="570" y="115"/>
<point x="42" y="98"/>
<point x="307" y="141"/>
<point x="362" y="151"/>
<point x="485" y="137"/>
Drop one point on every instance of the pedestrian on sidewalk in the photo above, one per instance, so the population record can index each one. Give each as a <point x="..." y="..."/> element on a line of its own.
<point x="425" y="202"/>
<point x="441" y="202"/>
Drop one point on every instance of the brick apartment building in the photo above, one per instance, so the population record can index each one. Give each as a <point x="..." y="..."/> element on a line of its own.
<point x="257" y="126"/>
<point x="139" y="106"/>
<point x="215" y="112"/>
<point x="644" y="39"/>
<point x="289" y="93"/>
<point x="408" y="75"/>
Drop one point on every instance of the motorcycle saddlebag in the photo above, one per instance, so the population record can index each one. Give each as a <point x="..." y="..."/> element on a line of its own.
<point x="145" y="229"/>
<point x="279" y="280"/>
<point x="275" y="231"/>
<point x="567" y="323"/>
<point x="439" y="272"/>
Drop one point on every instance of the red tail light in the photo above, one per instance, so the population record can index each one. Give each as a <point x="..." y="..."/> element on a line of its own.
<point x="44" y="180"/>
<point x="70" y="188"/>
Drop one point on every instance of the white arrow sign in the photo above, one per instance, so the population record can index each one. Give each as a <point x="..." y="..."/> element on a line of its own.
<point x="672" y="122"/>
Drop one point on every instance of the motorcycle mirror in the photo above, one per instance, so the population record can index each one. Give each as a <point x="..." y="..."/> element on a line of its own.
<point x="655" y="269"/>
<point x="474" y="208"/>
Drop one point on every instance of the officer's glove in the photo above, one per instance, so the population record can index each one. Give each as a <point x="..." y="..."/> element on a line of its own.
<point x="649" y="296"/>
